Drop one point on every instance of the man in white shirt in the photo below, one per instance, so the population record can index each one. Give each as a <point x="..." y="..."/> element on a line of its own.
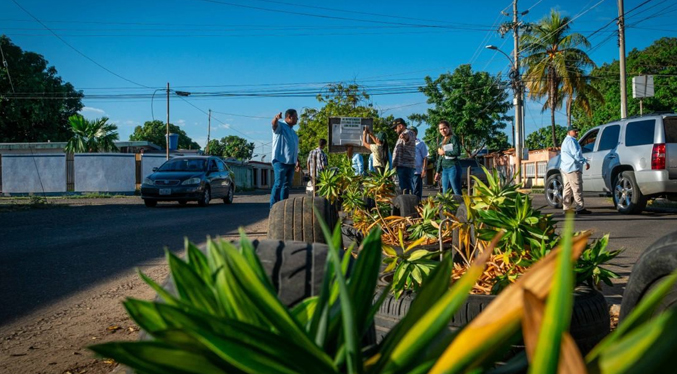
<point x="571" y="168"/>
<point x="420" y="164"/>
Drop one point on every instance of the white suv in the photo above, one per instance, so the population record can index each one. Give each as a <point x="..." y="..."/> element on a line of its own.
<point x="633" y="160"/>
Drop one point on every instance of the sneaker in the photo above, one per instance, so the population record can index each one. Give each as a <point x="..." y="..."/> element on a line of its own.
<point x="583" y="211"/>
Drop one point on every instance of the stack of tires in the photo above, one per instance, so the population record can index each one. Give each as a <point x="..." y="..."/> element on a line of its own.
<point x="296" y="219"/>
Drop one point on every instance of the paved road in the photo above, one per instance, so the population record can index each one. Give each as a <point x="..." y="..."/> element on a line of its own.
<point x="49" y="254"/>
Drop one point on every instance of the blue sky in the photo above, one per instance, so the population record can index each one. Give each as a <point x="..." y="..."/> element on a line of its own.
<point x="258" y="47"/>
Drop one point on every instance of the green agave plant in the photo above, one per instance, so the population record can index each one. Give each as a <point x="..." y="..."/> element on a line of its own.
<point x="227" y="319"/>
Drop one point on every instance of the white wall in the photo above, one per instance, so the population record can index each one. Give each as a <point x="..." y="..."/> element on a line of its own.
<point x="32" y="173"/>
<point x="105" y="172"/>
<point x="150" y="161"/>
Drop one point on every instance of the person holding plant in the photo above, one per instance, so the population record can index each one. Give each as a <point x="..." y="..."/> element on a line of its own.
<point x="285" y="154"/>
<point x="379" y="149"/>
<point x="404" y="155"/>
<point x="448" y="167"/>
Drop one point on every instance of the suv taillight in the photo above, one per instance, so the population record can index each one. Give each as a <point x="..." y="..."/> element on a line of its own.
<point x="658" y="157"/>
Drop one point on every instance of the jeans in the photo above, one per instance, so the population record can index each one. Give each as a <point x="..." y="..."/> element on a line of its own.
<point x="404" y="176"/>
<point x="451" y="178"/>
<point x="284" y="173"/>
<point x="418" y="186"/>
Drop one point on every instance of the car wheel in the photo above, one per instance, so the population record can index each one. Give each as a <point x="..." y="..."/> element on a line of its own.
<point x="150" y="203"/>
<point x="553" y="190"/>
<point x="229" y="197"/>
<point x="627" y="196"/>
<point x="206" y="196"/>
<point x="183" y="202"/>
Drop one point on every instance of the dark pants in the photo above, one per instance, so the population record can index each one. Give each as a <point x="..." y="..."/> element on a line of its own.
<point x="284" y="173"/>
<point x="451" y="178"/>
<point x="404" y="176"/>
<point x="418" y="186"/>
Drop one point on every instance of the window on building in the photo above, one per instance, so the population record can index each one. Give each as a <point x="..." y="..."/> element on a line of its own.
<point x="640" y="132"/>
<point x="529" y="170"/>
<point x="609" y="139"/>
<point x="541" y="168"/>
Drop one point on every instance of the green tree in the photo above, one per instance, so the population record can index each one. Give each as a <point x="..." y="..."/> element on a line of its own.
<point x="553" y="62"/>
<point x="156" y="133"/>
<point x="232" y="146"/>
<point x="91" y="136"/>
<point x="37" y="103"/>
<point x="338" y="100"/>
<point x="542" y="138"/>
<point x="474" y="103"/>
<point x="658" y="60"/>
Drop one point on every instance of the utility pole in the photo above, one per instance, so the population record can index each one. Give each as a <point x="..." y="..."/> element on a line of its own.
<point x="621" y="49"/>
<point x="518" y="94"/>
<point x="209" y="130"/>
<point x="167" y="136"/>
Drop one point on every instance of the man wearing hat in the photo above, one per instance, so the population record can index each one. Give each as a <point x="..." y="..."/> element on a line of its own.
<point x="404" y="155"/>
<point x="571" y="168"/>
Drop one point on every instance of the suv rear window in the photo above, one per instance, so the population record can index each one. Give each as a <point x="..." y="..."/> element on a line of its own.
<point x="640" y="132"/>
<point x="670" y="127"/>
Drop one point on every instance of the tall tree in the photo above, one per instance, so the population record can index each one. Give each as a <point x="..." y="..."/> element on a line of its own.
<point x="35" y="103"/>
<point x="91" y="136"/>
<point x="474" y="103"/>
<point x="658" y="60"/>
<point x="542" y="138"/>
<point x="553" y="60"/>
<point x="232" y="146"/>
<point x="156" y="133"/>
<point x="338" y="100"/>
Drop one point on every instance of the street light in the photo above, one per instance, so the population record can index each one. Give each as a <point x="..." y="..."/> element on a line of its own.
<point x="517" y="94"/>
<point x="179" y="93"/>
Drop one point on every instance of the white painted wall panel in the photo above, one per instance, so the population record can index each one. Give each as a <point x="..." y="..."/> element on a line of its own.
<point x="105" y="172"/>
<point x="34" y="173"/>
<point x="150" y="161"/>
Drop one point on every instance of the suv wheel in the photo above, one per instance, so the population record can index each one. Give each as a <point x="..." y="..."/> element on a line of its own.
<point x="627" y="196"/>
<point x="206" y="196"/>
<point x="553" y="190"/>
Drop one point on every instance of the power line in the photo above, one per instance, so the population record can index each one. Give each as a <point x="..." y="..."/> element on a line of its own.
<point x="4" y="62"/>
<point x="75" y="49"/>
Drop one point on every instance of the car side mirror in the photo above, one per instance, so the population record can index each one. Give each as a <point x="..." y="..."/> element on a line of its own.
<point x="155" y="169"/>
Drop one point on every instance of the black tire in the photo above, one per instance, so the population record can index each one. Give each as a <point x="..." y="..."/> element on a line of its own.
<point x="554" y="188"/>
<point x="206" y="196"/>
<point x="183" y="202"/>
<point x="229" y="196"/>
<point x="405" y="206"/>
<point x="150" y="203"/>
<point x="589" y="320"/>
<point x="658" y="261"/>
<point x="294" y="219"/>
<point x="626" y="194"/>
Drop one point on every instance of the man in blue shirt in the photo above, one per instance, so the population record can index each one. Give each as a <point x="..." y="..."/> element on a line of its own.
<point x="421" y="164"/>
<point x="571" y="168"/>
<point x="285" y="154"/>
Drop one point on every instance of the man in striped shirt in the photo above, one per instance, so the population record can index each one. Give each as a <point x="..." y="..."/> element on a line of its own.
<point x="317" y="161"/>
<point x="404" y="155"/>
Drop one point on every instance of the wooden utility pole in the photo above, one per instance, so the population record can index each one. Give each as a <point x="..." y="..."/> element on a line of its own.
<point x="209" y="130"/>
<point x="518" y="93"/>
<point x="167" y="136"/>
<point x="621" y="49"/>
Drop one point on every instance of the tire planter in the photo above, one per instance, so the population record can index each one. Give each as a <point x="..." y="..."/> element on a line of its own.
<point x="628" y="199"/>
<point x="589" y="321"/>
<point x="294" y="219"/>
<point x="658" y="261"/>
<point x="405" y="206"/>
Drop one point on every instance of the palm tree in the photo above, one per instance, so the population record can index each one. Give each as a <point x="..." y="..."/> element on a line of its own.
<point x="553" y="61"/>
<point x="91" y="136"/>
<point x="579" y="92"/>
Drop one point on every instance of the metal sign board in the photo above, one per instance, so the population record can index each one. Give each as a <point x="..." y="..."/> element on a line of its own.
<point x="642" y="86"/>
<point x="345" y="131"/>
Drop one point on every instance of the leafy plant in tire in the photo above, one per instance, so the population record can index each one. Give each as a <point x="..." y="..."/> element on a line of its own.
<point x="410" y="267"/>
<point x="496" y="193"/>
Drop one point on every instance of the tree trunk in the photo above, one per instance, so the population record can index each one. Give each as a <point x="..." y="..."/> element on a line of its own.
<point x="570" y="102"/>
<point x="553" y="102"/>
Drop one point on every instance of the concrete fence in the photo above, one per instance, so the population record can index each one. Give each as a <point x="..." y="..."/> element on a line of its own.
<point x="87" y="173"/>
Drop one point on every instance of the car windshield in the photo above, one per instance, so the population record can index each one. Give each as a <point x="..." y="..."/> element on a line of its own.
<point x="185" y="164"/>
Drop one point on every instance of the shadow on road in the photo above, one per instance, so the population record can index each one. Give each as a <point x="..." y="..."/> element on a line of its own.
<point x="47" y="255"/>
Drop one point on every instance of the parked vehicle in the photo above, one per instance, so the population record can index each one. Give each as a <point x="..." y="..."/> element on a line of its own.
<point x="475" y="169"/>
<point x="633" y="160"/>
<point x="191" y="178"/>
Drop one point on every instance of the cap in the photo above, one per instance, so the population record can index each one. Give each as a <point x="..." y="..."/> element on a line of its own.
<point x="381" y="136"/>
<point x="398" y="121"/>
<point x="572" y="128"/>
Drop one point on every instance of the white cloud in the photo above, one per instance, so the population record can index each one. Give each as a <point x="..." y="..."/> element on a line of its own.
<point x="225" y="126"/>
<point x="130" y="122"/>
<point x="181" y="122"/>
<point x="89" y="109"/>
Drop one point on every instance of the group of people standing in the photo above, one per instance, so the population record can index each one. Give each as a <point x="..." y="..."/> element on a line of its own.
<point x="409" y="157"/>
